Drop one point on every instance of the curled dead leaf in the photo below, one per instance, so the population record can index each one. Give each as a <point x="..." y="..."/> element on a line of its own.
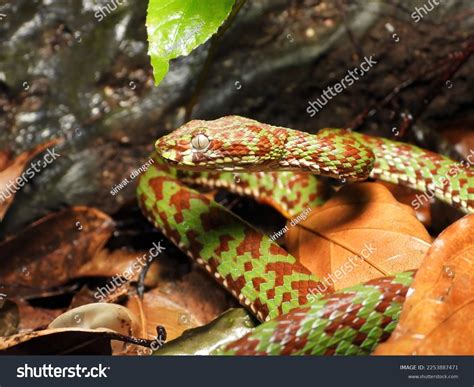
<point x="114" y="317"/>
<point x="437" y="318"/>
<point x="99" y="315"/>
<point x="360" y="234"/>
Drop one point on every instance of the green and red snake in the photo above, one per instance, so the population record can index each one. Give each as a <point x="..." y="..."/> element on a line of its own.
<point x="271" y="164"/>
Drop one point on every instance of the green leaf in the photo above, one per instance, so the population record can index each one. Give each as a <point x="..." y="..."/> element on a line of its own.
<point x="176" y="27"/>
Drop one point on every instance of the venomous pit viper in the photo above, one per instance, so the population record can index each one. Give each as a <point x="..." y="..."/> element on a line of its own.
<point x="273" y="165"/>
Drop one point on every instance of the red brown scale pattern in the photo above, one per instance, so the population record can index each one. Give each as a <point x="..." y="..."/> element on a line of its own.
<point x="416" y="168"/>
<point x="326" y="156"/>
<point x="288" y="325"/>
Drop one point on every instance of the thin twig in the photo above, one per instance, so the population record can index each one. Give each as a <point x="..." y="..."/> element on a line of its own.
<point x="357" y="47"/>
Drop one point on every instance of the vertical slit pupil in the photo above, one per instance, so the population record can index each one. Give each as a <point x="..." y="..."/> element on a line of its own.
<point x="200" y="142"/>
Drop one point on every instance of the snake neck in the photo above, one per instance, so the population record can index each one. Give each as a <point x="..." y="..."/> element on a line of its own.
<point x="327" y="155"/>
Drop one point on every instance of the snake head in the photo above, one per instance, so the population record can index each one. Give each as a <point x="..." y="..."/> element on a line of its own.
<point x="228" y="144"/>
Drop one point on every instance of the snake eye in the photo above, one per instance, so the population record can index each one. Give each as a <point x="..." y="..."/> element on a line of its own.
<point x="200" y="142"/>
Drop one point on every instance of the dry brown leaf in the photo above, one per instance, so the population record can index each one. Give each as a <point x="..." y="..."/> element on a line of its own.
<point x="99" y="315"/>
<point x="360" y="234"/>
<point x="114" y="317"/>
<point x="117" y="262"/>
<point x="99" y="329"/>
<point x="438" y="315"/>
<point x="34" y="317"/>
<point x="407" y="196"/>
<point x="199" y="294"/>
<point x="156" y="309"/>
<point x="10" y="170"/>
<point x="179" y="303"/>
<point x="51" y="251"/>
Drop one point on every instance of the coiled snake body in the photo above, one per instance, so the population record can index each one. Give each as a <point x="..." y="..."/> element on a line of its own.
<point x="258" y="272"/>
